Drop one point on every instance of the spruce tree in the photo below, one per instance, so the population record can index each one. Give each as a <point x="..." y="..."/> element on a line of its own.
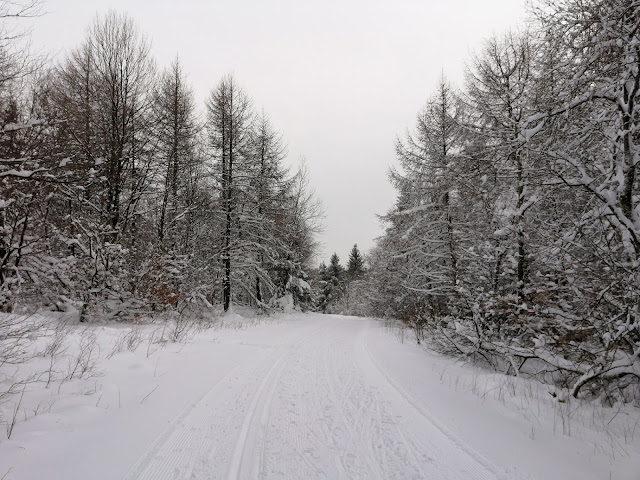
<point x="355" y="265"/>
<point x="335" y="270"/>
<point x="322" y="271"/>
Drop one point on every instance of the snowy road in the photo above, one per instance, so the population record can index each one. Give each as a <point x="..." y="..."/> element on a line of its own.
<point x="314" y="403"/>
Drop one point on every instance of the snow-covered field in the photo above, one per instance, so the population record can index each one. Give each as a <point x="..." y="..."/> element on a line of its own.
<point x="299" y="396"/>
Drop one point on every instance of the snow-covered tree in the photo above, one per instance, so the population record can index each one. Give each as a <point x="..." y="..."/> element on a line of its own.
<point x="517" y="246"/>
<point x="114" y="198"/>
<point x="268" y="214"/>
<point x="229" y="117"/>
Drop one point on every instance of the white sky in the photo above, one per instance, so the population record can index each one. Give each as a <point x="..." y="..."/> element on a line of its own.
<point x="339" y="79"/>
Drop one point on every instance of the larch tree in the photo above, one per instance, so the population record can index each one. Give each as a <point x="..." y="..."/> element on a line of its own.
<point x="230" y="129"/>
<point x="593" y="125"/>
<point x="542" y="184"/>
<point x="423" y="223"/>
<point x="175" y="137"/>
<point x="103" y="93"/>
<point x="115" y="201"/>
<point x="268" y="181"/>
<point x="500" y="84"/>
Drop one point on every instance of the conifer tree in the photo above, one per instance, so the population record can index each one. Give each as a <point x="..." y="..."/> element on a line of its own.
<point x="335" y="270"/>
<point x="322" y="271"/>
<point x="355" y="265"/>
<point x="229" y="111"/>
<point x="113" y="198"/>
<point x="175" y="137"/>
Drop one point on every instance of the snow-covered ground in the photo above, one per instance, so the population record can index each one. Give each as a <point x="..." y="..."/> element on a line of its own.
<point x="299" y="397"/>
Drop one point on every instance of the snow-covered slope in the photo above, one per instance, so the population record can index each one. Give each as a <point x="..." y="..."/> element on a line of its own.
<point x="309" y="396"/>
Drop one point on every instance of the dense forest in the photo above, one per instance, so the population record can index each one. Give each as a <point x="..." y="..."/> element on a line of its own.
<point x="514" y="240"/>
<point x="515" y="237"/>
<point x="118" y="200"/>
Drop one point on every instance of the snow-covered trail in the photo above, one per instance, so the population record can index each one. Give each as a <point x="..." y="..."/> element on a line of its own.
<point x="316" y="405"/>
<point x="300" y="396"/>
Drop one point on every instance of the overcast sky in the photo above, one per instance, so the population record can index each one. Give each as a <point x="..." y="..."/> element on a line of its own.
<point x="339" y="79"/>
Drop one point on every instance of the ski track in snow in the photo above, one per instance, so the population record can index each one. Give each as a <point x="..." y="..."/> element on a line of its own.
<point x="317" y="407"/>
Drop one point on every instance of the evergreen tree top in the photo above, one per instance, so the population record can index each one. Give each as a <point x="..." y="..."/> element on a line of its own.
<point x="335" y="269"/>
<point x="355" y="265"/>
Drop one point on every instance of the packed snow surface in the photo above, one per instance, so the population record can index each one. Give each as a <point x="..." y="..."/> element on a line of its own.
<point x="299" y="397"/>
